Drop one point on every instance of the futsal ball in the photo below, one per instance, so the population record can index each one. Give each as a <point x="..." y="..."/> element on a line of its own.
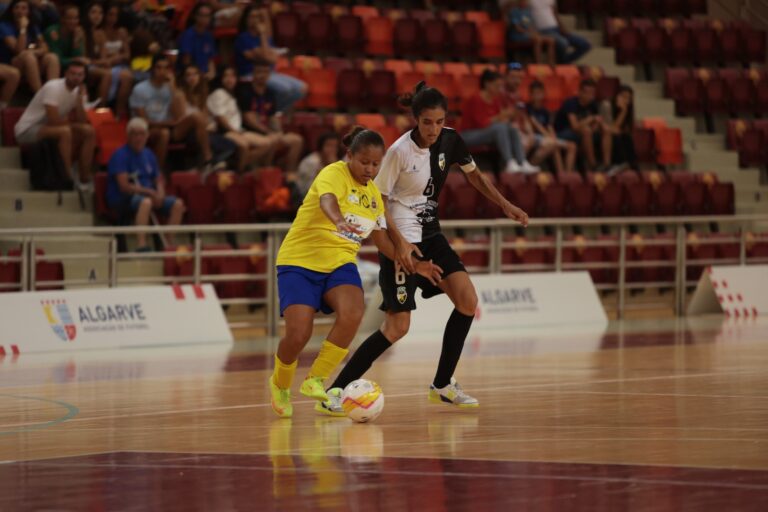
<point x="362" y="400"/>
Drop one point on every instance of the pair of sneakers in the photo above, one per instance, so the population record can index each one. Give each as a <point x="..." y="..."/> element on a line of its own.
<point x="312" y="387"/>
<point x="452" y="394"/>
<point x="526" y="167"/>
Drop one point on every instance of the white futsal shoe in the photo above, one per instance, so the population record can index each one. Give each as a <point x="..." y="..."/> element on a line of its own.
<point x="452" y="394"/>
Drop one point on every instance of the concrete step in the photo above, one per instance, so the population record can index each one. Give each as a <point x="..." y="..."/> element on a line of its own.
<point x="31" y="219"/>
<point x="10" y="158"/>
<point x="718" y="161"/>
<point x="708" y="142"/>
<point x="14" y="179"/>
<point x="650" y="90"/>
<point x="595" y="37"/>
<point x="42" y="201"/>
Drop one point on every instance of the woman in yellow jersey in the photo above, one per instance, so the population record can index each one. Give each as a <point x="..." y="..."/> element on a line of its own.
<point x="316" y="268"/>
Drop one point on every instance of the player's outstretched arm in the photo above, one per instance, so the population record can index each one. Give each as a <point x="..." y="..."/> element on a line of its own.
<point x="330" y="207"/>
<point x="481" y="183"/>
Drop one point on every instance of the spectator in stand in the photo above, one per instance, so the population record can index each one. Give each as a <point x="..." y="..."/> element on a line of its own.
<point x="578" y="121"/>
<point x="24" y="46"/>
<point x="486" y="121"/>
<point x="57" y="111"/>
<point x="520" y="29"/>
<point x="151" y="100"/>
<point x="143" y="47"/>
<point x="44" y="13"/>
<point x="328" y="147"/>
<point x="619" y="117"/>
<point x="196" y="44"/>
<point x="257" y="102"/>
<point x="135" y="185"/>
<point x="252" y="147"/>
<point x="254" y="44"/>
<point x="191" y="97"/>
<point x="541" y="119"/>
<point x="107" y="62"/>
<point x="569" y="47"/>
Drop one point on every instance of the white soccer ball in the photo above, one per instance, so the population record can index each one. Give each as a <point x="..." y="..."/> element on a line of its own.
<point x="362" y="400"/>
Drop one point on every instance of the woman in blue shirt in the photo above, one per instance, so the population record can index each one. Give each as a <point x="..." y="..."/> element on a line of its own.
<point x="23" y="46"/>
<point x="197" y="45"/>
<point x="254" y="43"/>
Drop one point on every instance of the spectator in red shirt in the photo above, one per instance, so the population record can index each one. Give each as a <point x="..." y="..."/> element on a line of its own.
<point x="486" y="121"/>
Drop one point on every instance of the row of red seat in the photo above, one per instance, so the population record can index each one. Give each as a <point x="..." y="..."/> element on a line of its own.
<point x="633" y="7"/>
<point x="628" y="195"/>
<point x="750" y="139"/>
<point x="370" y="84"/>
<point x="181" y="264"/>
<point x="646" y="40"/>
<point x="45" y="270"/>
<point x="383" y="36"/>
<point x="222" y="198"/>
<point x="724" y="90"/>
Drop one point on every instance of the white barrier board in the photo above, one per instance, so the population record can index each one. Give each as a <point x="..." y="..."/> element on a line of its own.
<point x="111" y="318"/>
<point x="509" y="301"/>
<point x="737" y="291"/>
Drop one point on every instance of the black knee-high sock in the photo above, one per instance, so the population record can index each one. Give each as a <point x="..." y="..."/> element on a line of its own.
<point x="456" y="331"/>
<point x="362" y="359"/>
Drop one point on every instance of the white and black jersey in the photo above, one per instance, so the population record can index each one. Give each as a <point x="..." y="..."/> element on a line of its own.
<point x="412" y="178"/>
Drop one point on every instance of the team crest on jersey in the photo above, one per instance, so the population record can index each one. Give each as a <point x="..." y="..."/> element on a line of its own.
<point x="402" y="294"/>
<point x="373" y="203"/>
<point x="441" y="161"/>
<point x="353" y="199"/>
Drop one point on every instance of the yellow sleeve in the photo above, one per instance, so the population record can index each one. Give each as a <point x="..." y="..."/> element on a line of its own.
<point x="330" y="181"/>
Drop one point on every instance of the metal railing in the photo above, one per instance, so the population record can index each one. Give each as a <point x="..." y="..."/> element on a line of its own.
<point x="494" y="241"/>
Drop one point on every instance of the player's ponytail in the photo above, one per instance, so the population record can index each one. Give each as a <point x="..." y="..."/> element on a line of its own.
<point x="360" y="137"/>
<point x="423" y="97"/>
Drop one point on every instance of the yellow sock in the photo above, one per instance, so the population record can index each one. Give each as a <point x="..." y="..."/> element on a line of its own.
<point x="283" y="374"/>
<point x="327" y="360"/>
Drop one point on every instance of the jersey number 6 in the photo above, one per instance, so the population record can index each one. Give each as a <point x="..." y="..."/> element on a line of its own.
<point x="399" y="275"/>
<point x="430" y="188"/>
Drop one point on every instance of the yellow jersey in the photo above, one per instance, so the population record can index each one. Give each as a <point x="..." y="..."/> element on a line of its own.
<point x="313" y="242"/>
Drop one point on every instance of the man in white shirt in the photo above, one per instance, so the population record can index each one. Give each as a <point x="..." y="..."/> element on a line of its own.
<point x="57" y="111"/>
<point x="569" y="47"/>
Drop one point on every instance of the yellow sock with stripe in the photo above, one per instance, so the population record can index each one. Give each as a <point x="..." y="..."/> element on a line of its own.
<point x="283" y="374"/>
<point x="327" y="360"/>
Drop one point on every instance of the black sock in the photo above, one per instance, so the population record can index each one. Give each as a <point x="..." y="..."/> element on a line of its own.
<point x="456" y="331"/>
<point x="362" y="359"/>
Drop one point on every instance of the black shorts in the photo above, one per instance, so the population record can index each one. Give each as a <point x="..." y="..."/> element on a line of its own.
<point x="399" y="289"/>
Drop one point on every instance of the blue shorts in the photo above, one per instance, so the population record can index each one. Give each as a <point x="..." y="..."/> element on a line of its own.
<point x="298" y="285"/>
<point x="128" y="207"/>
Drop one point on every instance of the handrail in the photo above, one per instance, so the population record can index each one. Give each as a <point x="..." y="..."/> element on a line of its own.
<point x="496" y="246"/>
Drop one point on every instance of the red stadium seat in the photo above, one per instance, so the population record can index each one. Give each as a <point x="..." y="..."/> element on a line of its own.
<point x="581" y="198"/>
<point x="371" y="121"/>
<point x="629" y="44"/>
<point x="667" y="199"/>
<point x="612" y="200"/>
<point x="669" y="143"/>
<point x="523" y="194"/>
<point x="446" y="84"/>
<point x="288" y="30"/>
<point x="350" y="33"/>
<point x="366" y="12"/>
<point x="408" y="81"/>
<point x="379" y="36"/>
<point x="322" y="88"/>
<point x="717" y="97"/>
<point x="407" y="37"/>
<point x="645" y="145"/>
<point x="338" y="63"/>
<point x="464" y="39"/>
<point x="428" y="67"/>
<point x="398" y="67"/>
<point x="493" y="39"/>
<point x="691" y="97"/>
<point x="721" y="199"/>
<point x="639" y="198"/>
<point x="705" y="46"/>
<point x="656" y="44"/>
<point x="457" y="69"/>
<point x="200" y="201"/>
<point x="469" y="205"/>
<point x="694" y="198"/>
<point x="382" y="90"/>
<point x="752" y="148"/>
<point x="436" y="37"/>
<point x="673" y="81"/>
<point x="680" y="46"/>
<point x="607" y="87"/>
<point x="110" y="136"/>
<point x="181" y="181"/>
<point x="753" y="41"/>
<point x="100" y="197"/>
<point x="553" y="199"/>
<point x="238" y="204"/>
<point x="479" y="18"/>
<point x="320" y="31"/>
<point x="350" y="89"/>
<point x="761" y="97"/>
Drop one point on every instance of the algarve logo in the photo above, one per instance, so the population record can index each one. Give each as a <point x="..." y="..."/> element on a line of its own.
<point x="402" y="294"/>
<point x="60" y="319"/>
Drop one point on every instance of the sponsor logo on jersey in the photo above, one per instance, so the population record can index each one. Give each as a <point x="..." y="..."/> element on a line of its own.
<point x="353" y="199"/>
<point x="402" y="294"/>
<point x="441" y="161"/>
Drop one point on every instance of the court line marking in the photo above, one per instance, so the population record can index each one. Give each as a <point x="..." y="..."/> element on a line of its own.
<point x="401" y="395"/>
<point x="508" y="476"/>
<point x="72" y="411"/>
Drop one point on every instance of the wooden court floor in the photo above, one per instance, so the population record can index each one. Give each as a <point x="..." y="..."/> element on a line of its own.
<point x="649" y="415"/>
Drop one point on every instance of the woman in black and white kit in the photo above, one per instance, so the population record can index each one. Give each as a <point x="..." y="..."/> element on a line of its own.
<point x="410" y="179"/>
